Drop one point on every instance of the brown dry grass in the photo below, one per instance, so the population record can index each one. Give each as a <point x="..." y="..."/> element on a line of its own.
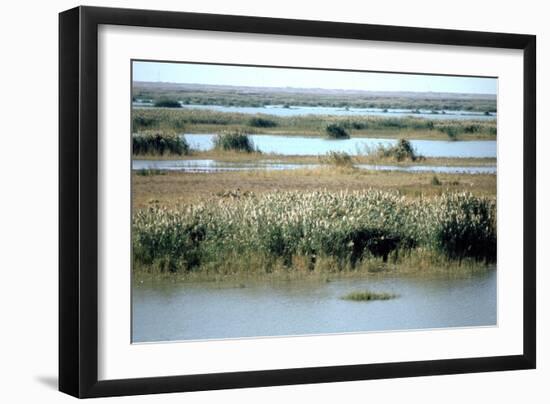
<point x="176" y="188"/>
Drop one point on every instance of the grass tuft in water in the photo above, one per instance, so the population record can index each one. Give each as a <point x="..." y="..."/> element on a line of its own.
<point x="366" y="296"/>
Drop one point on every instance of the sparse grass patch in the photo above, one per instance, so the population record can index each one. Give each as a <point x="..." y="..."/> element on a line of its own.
<point x="340" y="159"/>
<point x="435" y="181"/>
<point x="148" y="172"/>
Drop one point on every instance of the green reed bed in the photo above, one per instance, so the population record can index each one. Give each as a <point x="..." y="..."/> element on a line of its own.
<point x="159" y="143"/>
<point x="314" y="231"/>
<point x="208" y="121"/>
<point x="234" y="141"/>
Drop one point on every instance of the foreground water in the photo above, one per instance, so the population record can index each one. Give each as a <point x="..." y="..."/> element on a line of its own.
<point x="297" y="110"/>
<point x="213" y="166"/>
<point x="304" y="146"/>
<point x="168" y="311"/>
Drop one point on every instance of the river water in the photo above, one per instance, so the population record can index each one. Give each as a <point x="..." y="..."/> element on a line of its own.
<point x="168" y="311"/>
<point x="304" y="146"/>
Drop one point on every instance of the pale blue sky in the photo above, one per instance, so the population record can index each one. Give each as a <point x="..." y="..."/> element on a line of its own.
<point x="303" y="78"/>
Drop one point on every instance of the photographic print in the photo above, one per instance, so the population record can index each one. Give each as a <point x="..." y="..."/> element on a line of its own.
<point x="286" y="201"/>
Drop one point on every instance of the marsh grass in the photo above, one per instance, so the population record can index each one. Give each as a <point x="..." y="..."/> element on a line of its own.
<point x="243" y="96"/>
<point x="339" y="159"/>
<point x="366" y="296"/>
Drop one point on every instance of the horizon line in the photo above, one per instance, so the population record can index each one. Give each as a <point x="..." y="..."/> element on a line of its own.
<point x="317" y="88"/>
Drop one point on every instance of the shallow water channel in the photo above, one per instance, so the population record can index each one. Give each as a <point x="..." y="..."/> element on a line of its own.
<point x="213" y="166"/>
<point x="299" y="110"/>
<point x="171" y="311"/>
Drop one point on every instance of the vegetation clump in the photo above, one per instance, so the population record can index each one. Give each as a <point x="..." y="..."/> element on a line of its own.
<point x="236" y="141"/>
<point x="401" y="151"/>
<point x="260" y="122"/>
<point x="159" y="143"/>
<point x="336" y="131"/>
<point x="435" y="181"/>
<point x="167" y="103"/>
<point x="367" y="296"/>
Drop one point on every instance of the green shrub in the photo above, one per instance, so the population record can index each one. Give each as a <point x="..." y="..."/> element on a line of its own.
<point x="236" y="140"/>
<point x="167" y="103"/>
<point x="260" y="122"/>
<point x="336" y="131"/>
<point x="159" y="143"/>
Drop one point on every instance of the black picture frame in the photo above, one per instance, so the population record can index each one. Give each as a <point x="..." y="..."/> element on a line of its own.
<point x="78" y="201"/>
